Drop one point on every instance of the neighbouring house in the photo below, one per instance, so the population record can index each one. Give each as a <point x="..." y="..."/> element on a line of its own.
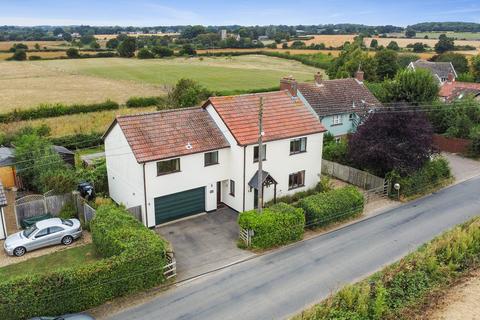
<point x="8" y="174"/>
<point x="443" y="71"/>
<point x="3" y="203"/>
<point x="339" y="104"/>
<point x="178" y="163"/>
<point x="456" y="90"/>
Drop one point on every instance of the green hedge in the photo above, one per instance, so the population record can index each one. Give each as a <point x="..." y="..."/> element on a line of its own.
<point x="78" y="141"/>
<point x="55" y="110"/>
<point x="429" y="177"/>
<point x="399" y="290"/>
<point x="133" y="260"/>
<point x="336" y="205"/>
<point x="277" y="225"/>
<point x="139" y="102"/>
<point x="323" y="186"/>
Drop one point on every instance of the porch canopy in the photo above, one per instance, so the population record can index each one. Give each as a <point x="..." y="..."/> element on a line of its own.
<point x="267" y="180"/>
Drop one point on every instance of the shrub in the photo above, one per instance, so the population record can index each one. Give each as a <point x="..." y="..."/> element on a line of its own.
<point x="144" y="53"/>
<point x="68" y="211"/>
<point x="134" y="257"/>
<point x="277" y="225"/>
<point x="323" y="186"/>
<point x="73" y="53"/>
<point x="33" y="58"/>
<point x="429" y="177"/>
<point x="140" y="102"/>
<point x="79" y="140"/>
<point x="19" y="55"/>
<point x="336" y="152"/>
<point x="393" y="292"/>
<point x="55" y="110"/>
<point x="336" y="205"/>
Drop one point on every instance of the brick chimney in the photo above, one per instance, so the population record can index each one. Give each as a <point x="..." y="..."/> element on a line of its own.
<point x="451" y="77"/>
<point x="289" y="83"/>
<point x="359" y="75"/>
<point x="318" y="77"/>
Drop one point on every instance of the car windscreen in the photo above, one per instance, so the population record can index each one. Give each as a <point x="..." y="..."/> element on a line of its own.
<point x="67" y="222"/>
<point x="27" y="232"/>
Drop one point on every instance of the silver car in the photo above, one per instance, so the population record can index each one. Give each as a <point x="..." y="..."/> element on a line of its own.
<point x="43" y="234"/>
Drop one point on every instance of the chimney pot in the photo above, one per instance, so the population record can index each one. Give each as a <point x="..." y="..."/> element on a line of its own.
<point x="289" y="83"/>
<point x="451" y="77"/>
<point x="360" y="75"/>
<point x="318" y="77"/>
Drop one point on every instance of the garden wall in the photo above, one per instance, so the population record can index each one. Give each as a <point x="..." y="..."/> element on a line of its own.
<point x="453" y="145"/>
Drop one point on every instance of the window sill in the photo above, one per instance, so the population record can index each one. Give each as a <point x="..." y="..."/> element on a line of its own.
<point x="165" y="173"/>
<point x="336" y="124"/>
<point x="297" y="187"/>
<point x="211" y="164"/>
<point x="298" y="152"/>
<point x="233" y="195"/>
<point x="256" y="161"/>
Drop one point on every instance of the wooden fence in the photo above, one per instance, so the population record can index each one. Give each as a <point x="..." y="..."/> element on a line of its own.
<point x="39" y="204"/>
<point x="351" y="175"/>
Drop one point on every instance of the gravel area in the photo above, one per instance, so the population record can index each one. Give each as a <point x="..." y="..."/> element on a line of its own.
<point x="6" y="260"/>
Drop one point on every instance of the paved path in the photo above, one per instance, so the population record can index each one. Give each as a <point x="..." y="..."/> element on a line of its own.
<point x="282" y="283"/>
<point x="462" y="168"/>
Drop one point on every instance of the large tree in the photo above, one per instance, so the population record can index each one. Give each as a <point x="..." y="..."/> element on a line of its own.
<point x="127" y="47"/>
<point x="459" y="61"/>
<point x="412" y="86"/>
<point x="475" y="62"/>
<point x="387" y="64"/>
<point x="444" y="44"/>
<point x="395" y="140"/>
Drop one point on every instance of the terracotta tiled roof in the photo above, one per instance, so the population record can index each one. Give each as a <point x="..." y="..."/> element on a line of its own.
<point x="453" y="90"/>
<point x="283" y="116"/>
<point x="172" y="133"/>
<point x="337" y="96"/>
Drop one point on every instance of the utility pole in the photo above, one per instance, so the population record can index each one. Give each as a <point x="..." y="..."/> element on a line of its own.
<point x="260" y="156"/>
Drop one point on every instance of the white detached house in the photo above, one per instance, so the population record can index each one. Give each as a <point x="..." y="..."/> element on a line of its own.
<point x="182" y="162"/>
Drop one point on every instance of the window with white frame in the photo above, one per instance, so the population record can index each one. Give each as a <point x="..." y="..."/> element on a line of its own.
<point x="337" y="119"/>
<point x="298" y="145"/>
<point x="296" y="180"/>
<point x="232" y="188"/>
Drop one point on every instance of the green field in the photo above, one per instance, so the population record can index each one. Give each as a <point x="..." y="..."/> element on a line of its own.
<point x="216" y="73"/>
<point x="30" y="83"/>
<point x="436" y="34"/>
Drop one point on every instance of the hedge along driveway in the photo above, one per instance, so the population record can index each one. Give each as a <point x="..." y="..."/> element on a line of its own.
<point x="134" y="257"/>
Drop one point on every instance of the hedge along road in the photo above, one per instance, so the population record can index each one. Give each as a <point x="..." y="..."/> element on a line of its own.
<point x="284" y="282"/>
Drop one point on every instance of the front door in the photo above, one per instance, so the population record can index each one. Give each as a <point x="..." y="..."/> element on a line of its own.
<point x="255" y="198"/>
<point x="219" y="193"/>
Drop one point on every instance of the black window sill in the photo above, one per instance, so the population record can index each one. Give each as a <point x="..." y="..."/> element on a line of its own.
<point x="233" y="195"/>
<point x="336" y="124"/>
<point x="211" y="164"/>
<point x="165" y="173"/>
<point x="296" y="187"/>
<point x="297" y="152"/>
<point x="255" y="161"/>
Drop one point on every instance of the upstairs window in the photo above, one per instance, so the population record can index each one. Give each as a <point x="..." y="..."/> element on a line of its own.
<point x="296" y="180"/>
<point x="298" y="145"/>
<point x="337" y="119"/>
<point x="211" y="158"/>
<point x="168" y="166"/>
<point x="256" y="153"/>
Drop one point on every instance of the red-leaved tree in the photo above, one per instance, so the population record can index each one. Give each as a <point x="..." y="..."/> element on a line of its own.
<point x="394" y="140"/>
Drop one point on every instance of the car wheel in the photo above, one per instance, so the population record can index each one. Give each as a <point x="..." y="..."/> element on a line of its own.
<point x="67" y="240"/>
<point x="20" y="251"/>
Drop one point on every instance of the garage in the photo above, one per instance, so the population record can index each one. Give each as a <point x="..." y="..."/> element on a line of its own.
<point x="179" y="205"/>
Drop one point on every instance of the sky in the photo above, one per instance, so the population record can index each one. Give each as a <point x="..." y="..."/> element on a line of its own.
<point x="227" y="12"/>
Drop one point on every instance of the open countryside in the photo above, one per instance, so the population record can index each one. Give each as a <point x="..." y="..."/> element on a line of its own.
<point x="27" y="84"/>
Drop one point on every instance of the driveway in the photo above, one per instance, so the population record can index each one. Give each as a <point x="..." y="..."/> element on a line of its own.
<point x="204" y="243"/>
<point x="462" y="168"/>
<point x="281" y="283"/>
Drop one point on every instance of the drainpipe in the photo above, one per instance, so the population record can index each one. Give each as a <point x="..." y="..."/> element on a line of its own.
<point x="244" y="166"/>
<point x="145" y="196"/>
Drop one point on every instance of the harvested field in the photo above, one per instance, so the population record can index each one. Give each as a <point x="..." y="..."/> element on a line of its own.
<point x="328" y="40"/>
<point x="30" y="83"/>
<point x="77" y="123"/>
<point x="403" y="42"/>
<point x="6" y="45"/>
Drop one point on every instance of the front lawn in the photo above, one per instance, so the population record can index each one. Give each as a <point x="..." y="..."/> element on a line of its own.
<point x="60" y="259"/>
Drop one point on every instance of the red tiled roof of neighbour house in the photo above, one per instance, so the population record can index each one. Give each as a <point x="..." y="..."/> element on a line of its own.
<point x="283" y="116"/>
<point x="452" y="90"/>
<point x="166" y="134"/>
<point x="331" y="97"/>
